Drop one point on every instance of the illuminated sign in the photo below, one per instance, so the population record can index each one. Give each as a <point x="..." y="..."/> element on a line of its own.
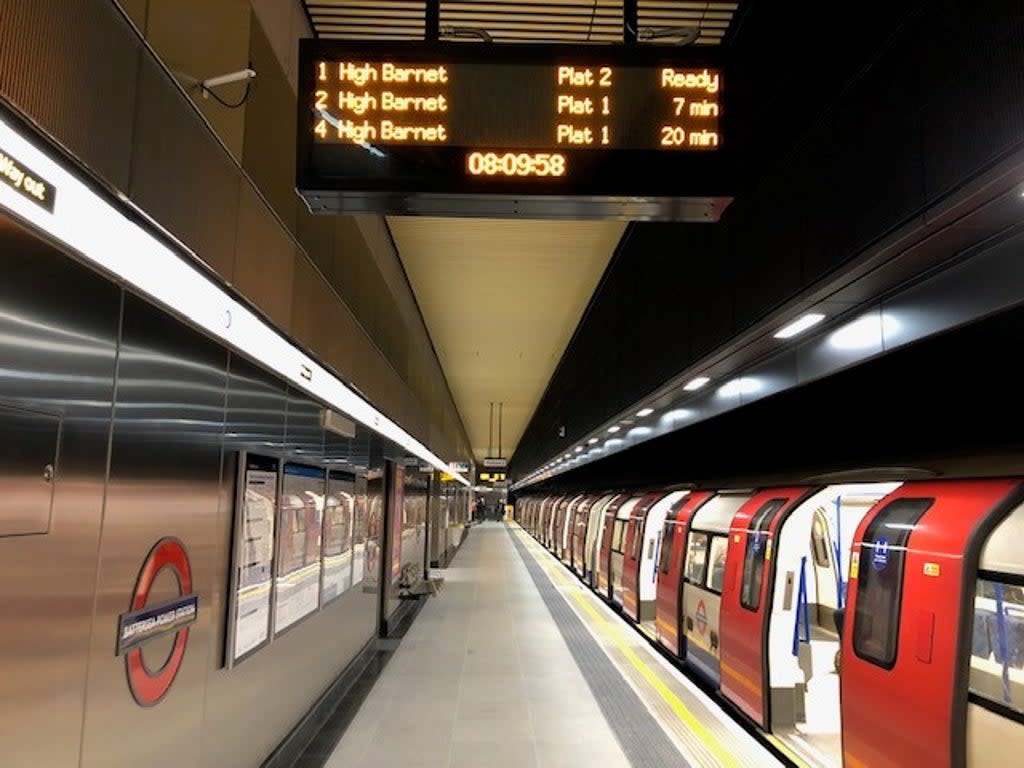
<point x="26" y="182"/>
<point x="393" y="127"/>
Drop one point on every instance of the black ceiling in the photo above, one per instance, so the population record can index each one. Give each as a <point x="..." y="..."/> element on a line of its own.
<point x="845" y="134"/>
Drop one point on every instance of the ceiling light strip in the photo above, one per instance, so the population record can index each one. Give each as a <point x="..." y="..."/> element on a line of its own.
<point x="107" y="239"/>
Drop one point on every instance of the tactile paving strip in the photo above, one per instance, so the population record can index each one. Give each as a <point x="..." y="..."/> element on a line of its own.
<point x="642" y="739"/>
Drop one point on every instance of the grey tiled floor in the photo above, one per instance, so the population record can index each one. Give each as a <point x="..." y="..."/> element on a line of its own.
<point x="483" y="679"/>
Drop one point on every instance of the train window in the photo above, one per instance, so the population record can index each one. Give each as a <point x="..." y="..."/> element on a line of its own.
<point x="997" y="646"/>
<point x="819" y="539"/>
<point x="756" y="551"/>
<point x="617" y="534"/>
<point x="716" y="572"/>
<point x="697" y="557"/>
<point x="667" y="537"/>
<point x="876" y="623"/>
<point x="638" y="541"/>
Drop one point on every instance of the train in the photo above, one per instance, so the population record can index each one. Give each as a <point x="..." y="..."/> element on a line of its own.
<point x="862" y="624"/>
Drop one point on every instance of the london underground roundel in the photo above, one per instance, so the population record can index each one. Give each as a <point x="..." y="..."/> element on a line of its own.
<point x="143" y="622"/>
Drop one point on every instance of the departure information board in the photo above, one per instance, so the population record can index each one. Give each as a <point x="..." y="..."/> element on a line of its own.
<point x="402" y="128"/>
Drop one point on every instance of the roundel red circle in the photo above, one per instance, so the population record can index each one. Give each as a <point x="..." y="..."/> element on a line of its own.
<point x="702" y="617"/>
<point x="148" y="688"/>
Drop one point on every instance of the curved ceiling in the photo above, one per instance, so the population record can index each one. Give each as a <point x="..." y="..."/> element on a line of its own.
<point x="501" y="299"/>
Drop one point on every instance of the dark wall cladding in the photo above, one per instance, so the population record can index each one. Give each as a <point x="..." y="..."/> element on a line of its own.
<point x="55" y="80"/>
<point x="844" y="136"/>
<point x="880" y="414"/>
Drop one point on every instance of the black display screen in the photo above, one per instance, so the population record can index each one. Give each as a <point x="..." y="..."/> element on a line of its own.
<point x="391" y="127"/>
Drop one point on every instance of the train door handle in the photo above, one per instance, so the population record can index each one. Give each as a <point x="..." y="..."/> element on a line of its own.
<point x="689" y="623"/>
<point x="714" y="640"/>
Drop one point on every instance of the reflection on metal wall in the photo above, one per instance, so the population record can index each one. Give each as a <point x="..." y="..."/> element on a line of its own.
<point x="183" y="409"/>
<point x="58" y="339"/>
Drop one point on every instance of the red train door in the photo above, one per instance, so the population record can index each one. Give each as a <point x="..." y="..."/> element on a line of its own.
<point x="746" y="599"/>
<point x="631" y="559"/>
<point x="603" y="564"/>
<point x="578" y="534"/>
<point x="901" y="676"/>
<point x="668" y="611"/>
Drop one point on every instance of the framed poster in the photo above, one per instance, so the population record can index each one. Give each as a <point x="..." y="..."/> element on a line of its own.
<point x="299" y="532"/>
<point x="397" y="522"/>
<point x="339" y="509"/>
<point x="248" y="626"/>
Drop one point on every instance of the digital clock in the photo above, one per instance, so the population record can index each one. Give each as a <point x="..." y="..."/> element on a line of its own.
<point x="516" y="164"/>
<point x="505" y="130"/>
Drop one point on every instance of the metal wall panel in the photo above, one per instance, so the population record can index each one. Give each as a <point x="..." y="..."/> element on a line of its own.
<point x="72" y="65"/>
<point x="283" y="679"/>
<point x="180" y="176"/>
<point x="164" y="480"/>
<point x="58" y="341"/>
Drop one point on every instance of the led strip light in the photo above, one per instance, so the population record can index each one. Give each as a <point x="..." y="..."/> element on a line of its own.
<point x="106" y="238"/>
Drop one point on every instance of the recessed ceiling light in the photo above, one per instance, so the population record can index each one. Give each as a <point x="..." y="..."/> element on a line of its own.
<point x="744" y="385"/>
<point x="567" y="456"/>
<point x="800" y="325"/>
<point x="865" y="332"/>
<point x="696" y="383"/>
<point x="645" y="412"/>
<point x="579" y="449"/>
<point x="592" y="440"/>
<point x="614" y="428"/>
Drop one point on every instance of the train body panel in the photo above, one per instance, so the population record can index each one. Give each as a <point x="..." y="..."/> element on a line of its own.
<point x="668" y="608"/>
<point x="601" y="579"/>
<point x="565" y="542"/>
<point x="903" y="692"/>
<point x="578" y="534"/>
<point x="704" y="577"/>
<point x="745" y="605"/>
<point x="618" y="545"/>
<point x="647" y="567"/>
<point x="595" y="537"/>
<point x="632" y="553"/>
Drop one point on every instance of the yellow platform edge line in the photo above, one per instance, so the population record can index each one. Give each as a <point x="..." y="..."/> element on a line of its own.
<point x="707" y="738"/>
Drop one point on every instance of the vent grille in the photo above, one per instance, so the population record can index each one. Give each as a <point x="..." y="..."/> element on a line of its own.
<point x="577" y="21"/>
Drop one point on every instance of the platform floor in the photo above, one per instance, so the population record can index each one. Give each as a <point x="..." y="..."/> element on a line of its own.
<point x="515" y="664"/>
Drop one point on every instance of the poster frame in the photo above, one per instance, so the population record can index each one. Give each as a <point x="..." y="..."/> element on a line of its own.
<point x="242" y="458"/>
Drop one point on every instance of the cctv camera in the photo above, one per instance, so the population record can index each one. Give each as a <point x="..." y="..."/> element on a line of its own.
<point x="233" y="77"/>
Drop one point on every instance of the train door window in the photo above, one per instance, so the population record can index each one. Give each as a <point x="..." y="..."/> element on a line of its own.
<point x="819" y="539"/>
<point x="638" y="540"/>
<point x="876" y="622"/>
<point x="756" y="552"/>
<point x="716" y="568"/>
<point x="697" y="557"/>
<point x="997" y="647"/>
<point x="617" y="532"/>
<point x="667" y="537"/>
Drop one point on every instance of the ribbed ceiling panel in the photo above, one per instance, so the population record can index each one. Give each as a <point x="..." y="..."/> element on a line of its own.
<point x="519" y="21"/>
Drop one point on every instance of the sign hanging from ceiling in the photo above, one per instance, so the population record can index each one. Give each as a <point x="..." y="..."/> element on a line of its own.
<point x="485" y="129"/>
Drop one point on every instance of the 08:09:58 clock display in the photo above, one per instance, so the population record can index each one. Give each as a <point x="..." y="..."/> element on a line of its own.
<point x="516" y="164"/>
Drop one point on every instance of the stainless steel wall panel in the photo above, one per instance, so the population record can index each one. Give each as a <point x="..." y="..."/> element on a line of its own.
<point x="165" y="477"/>
<point x="180" y="176"/>
<point x="283" y="680"/>
<point x="303" y="433"/>
<point x="265" y="259"/>
<point x="72" y="65"/>
<point x="58" y="340"/>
